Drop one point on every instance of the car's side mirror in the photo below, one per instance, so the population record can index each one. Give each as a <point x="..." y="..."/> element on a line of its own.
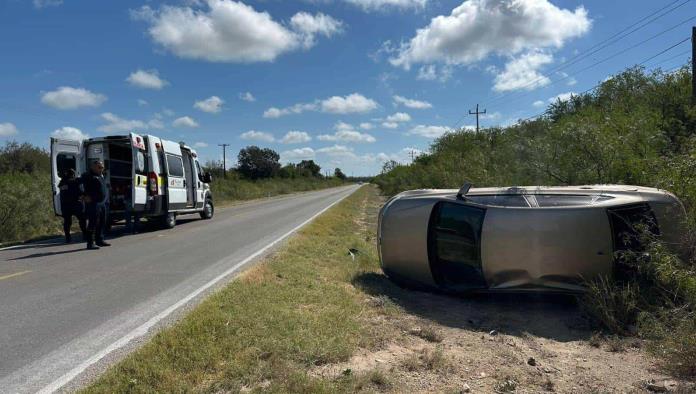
<point x="207" y="178"/>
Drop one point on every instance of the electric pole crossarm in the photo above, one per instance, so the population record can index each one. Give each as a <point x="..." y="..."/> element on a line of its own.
<point x="477" y="113"/>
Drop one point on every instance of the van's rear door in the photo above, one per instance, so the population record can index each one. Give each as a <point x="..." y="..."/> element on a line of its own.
<point x="65" y="155"/>
<point x="139" y="172"/>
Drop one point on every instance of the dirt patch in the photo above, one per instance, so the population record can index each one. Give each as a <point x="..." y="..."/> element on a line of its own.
<point x="525" y="344"/>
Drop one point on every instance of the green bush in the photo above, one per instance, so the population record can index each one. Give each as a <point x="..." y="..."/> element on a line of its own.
<point x="26" y="210"/>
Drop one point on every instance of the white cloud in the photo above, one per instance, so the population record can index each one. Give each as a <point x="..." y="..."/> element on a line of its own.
<point x="432" y="72"/>
<point x="7" y="129"/>
<point x="297" y="154"/>
<point x="155" y="123"/>
<point x="66" y="97"/>
<point x="200" y="145"/>
<point x="428" y="131"/>
<point x="399" y="117"/>
<point x="366" y="126"/>
<point x="562" y="97"/>
<point x="390" y="125"/>
<point x="274" y="112"/>
<point x="477" y="28"/>
<point x="522" y="73"/>
<point x="69" y="133"/>
<point x="309" y="26"/>
<point x="337" y="151"/>
<point x="374" y="5"/>
<point x="410" y="103"/>
<point x="211" y="105"/>
<point x="346" y="133"/>
<point x="185" y="121"/>
<point x="295" y="137"/>
<point x="142" y="103"/>
<point x="147" y="79"/>
<point x="254" y="135"/>
<point x="168" y="112"/>
<point x="38" y="4"/>
<point x="353" y="103"/>
<point x="231" y="31"/>
<point x="247" y="96"/>
<point x="116" y="124"/>
<point x="539" y="103"/>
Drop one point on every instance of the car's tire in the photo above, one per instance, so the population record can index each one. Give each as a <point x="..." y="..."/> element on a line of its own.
<point x="208" y="209"/>
<point x="169" y="220"/>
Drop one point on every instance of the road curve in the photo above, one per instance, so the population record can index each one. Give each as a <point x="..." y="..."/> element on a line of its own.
<point x="63" y="308"/>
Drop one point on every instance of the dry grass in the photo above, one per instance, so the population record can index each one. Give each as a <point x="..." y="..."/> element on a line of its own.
<point x="267" y="328"/>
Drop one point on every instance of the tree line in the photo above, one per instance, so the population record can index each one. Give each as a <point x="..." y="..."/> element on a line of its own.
<point x="256" y="163"/>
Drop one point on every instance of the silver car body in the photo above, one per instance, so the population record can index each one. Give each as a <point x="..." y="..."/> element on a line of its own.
<point x="529" y="238"/>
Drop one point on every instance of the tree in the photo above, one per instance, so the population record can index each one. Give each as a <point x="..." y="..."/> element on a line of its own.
<point x="339" y="174"/>
<point x="256" y="163"/>
<point x="309" y="168"/>
<point x="389" y="165"/>
<point x="15" y="157"/>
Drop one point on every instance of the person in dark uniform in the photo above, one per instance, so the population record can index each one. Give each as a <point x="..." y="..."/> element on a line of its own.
<point x="70" y="204"/>
<point x="95" y="195"/>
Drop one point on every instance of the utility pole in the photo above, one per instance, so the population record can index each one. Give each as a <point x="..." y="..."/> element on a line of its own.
<point x="224" y="159"/>
<point x="693" y="65"/>
<point x="477" y="113"/>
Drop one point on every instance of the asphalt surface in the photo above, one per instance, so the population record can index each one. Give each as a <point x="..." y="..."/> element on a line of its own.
<point x="63" y="307"/>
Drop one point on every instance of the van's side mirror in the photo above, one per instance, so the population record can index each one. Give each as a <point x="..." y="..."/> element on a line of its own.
<point x="207" y="178"/>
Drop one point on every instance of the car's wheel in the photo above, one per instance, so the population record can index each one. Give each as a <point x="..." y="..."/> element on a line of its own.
<point x="169" y="220"/>
<point x="208" y="210"/>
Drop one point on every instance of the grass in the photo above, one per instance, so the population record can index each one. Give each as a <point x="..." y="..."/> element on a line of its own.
<point x="293" y="312"/>
<point x="30" y="194"/>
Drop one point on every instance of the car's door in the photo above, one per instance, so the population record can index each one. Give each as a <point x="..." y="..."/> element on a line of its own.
<point x="65" y="155"/>
<point x="139" y="172"/>
<point x="176" y="184"/>
<point x="200" y="190"/>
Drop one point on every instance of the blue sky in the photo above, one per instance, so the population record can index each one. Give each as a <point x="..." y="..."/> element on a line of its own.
<point x="348" y="83"/>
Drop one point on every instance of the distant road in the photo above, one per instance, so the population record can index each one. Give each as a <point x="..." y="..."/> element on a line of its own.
<point x="63" y="308"/>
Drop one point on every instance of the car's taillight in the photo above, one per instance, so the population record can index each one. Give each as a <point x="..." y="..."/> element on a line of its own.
<point x="154" y="183"/>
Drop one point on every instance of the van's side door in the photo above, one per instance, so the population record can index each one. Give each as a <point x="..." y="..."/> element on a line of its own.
<point x="65" y="155"/>
<point x="200" y="189"/>
<point x="176" y="184"/>
<point x="139" y="172"/>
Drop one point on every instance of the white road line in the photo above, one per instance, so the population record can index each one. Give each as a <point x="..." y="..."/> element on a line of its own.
<point x="145" y="327"/>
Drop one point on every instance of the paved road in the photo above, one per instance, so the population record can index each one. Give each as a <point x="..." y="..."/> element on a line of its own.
<point x="62" y="307"/>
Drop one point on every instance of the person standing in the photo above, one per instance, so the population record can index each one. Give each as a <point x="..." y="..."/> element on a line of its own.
<point x="70" y="204"/>
<point x="95" y="195"/>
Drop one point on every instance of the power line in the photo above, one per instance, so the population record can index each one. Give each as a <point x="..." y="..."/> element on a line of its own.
<point x="524" y="94"/>
<point x="599" y="46"/>
<point x="641" y="63"/>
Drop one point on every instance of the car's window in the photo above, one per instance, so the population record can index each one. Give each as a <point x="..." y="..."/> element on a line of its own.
<point x="628" y="226"/>
<point x="628" y="222"/>
<point x="175" y="165"/>
<point x="65" y="162"/>
<point x="198" y="170"/>
<point x="500" y="200"/>
<point x="455" y="246"/>
<point x="563" y="200"/>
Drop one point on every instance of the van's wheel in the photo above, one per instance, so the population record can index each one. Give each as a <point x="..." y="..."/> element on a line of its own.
<point x="208" y="210"/>
<point x="169" y="220"/>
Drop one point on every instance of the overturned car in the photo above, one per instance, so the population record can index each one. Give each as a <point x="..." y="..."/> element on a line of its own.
<point x="519" y="238"/>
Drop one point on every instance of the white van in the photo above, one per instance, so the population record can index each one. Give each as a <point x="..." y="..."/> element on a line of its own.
<point x="152" y="177"/>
